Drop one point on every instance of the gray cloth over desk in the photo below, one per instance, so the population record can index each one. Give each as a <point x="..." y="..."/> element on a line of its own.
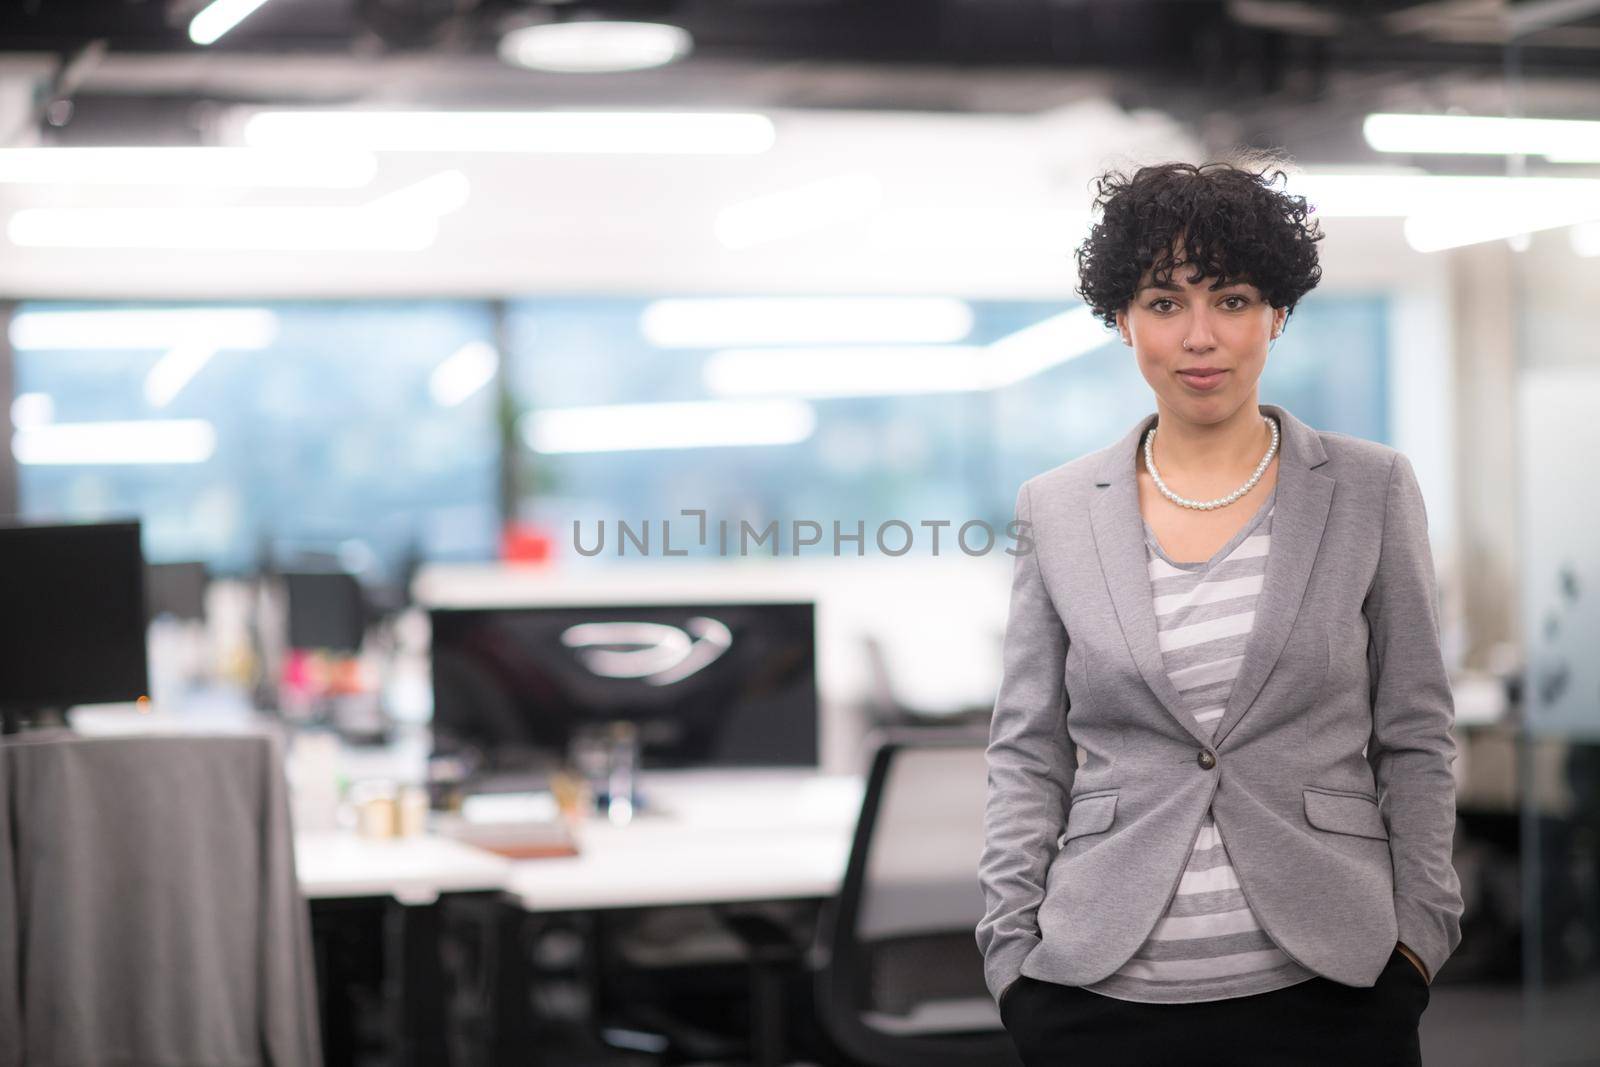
<point x="150" y="914"/>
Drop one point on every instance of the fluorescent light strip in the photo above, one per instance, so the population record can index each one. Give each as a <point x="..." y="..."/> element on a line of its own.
<point x="803" y="209"/>
<point x="175" y="370"/>
<point x="558" y="132"/>
<point x="1400" y="195"/>
<point x="1562" y="140"/>
<point x="740" y="321"/>
<point x="848" y="371"/>
<point x="462" y="373"/>
<point x="403" y="221"/>
<point x="120" y="443"/>
<point x="258" y="168"/>
<point x="594" y="46"/>
<point x="1437" y="232"/>
<point x="1447" y="211"/>
<point x="695" y="424"/>
<point x="1044" y="345"/>
<point x="152" y="328"/>
<point x="905" y="370"/>
<point x="219" y="17"/>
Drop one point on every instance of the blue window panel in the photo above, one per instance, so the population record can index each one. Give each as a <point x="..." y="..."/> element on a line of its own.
<point x="329" y="436"/>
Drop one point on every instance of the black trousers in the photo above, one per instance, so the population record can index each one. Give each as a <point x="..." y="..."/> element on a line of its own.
<point x="1312" y="1023"/>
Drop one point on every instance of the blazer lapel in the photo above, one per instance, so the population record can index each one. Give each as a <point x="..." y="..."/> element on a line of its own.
<point x="1300" y="513"/>
<point x="1119" y="541"/>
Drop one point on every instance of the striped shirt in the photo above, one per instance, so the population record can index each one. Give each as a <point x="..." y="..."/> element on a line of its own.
<point x="1208" y="944"/>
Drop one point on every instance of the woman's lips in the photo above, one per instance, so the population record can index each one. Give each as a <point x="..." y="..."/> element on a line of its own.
<point x="1202" y="382"/>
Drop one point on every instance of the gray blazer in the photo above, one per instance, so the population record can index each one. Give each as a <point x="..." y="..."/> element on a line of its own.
<point x="1330" y="770"/>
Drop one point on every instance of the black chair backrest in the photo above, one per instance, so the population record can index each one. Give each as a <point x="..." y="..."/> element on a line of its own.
<point x="901" y="933"/>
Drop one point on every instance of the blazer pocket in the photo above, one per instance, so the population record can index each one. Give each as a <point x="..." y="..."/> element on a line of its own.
<point x="1089" y="815"/>
<point x="1344" y="813"/>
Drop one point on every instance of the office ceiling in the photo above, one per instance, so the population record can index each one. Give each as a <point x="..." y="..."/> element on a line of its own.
<point x="1016" y="103"/>
<point x="1212" y="39"/>
<point x="1262" y="70"/>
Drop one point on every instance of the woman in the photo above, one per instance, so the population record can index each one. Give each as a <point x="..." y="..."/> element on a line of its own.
<point x="1220" y="793"/>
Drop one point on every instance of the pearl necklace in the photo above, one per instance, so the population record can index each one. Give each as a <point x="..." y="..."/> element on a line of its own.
<point x="1223" y="501"/>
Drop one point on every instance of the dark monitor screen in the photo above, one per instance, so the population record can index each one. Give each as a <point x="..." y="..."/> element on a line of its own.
<point x="706" y="684"/>
<point x="175" y="589"/>
<point x="326" y="610"/>
<point x="72" y="615"/>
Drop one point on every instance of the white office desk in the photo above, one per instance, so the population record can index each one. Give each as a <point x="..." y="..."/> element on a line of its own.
<point x="718" y="837"/>
<point x="412" y="870"/>
<point x="651" y="866"/>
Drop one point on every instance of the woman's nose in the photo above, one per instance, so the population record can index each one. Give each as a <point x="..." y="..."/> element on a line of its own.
<point x="1198" y="333"/>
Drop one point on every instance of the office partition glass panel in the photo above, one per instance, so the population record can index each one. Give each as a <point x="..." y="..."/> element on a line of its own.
<point x="1539" y="576"/>
<point x="373" y="425"/>
<point x="916" y="446"/>
<point x="364" y="430"/>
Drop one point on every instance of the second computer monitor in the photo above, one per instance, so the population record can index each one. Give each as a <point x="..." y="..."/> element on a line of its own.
<point x="72" y="615"/>
<point x="176" y="590"/>
<point x="707" y="685"/>
<point x="326" y="610"/>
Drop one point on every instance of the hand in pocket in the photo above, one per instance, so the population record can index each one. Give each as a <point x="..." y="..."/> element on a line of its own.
<point x="1412" y="962"/>
<point x="1008" y="997"/>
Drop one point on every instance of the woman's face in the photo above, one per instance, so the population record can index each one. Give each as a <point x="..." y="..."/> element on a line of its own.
<point x="1227" y="331"/>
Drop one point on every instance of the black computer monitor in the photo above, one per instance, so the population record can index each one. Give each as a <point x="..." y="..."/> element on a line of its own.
<point x="326" y="610"/>
<point x="72" y="617"/>
<point x="707" y="685"/>
<point x="175" y="589"/>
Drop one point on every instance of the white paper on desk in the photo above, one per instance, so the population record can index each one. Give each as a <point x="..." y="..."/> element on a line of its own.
<point x="488" y="809"/>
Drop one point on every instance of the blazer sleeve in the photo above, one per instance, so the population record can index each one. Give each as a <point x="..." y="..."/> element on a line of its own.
<point x="1031" y="763"/>
<point x="1412" y="748"/>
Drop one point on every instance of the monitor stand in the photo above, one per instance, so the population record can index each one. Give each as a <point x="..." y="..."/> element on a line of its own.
<point x="16" y="720"/>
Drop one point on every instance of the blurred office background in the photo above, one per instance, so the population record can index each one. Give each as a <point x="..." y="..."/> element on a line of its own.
<point x="359" y="308"/>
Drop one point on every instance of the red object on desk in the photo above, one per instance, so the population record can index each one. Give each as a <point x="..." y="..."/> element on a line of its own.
<point x="526" y="542"/>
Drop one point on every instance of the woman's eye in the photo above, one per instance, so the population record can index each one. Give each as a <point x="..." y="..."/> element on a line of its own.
<point x="1155" y="305"/>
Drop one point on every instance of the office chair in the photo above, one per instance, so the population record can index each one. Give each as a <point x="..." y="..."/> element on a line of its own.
<point x="901" y="980"/>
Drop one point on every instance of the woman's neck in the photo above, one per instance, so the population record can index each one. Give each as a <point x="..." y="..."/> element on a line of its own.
<point x="1216" y="450"/>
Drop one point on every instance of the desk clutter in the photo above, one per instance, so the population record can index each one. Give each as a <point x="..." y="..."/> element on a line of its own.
<point x="515" y="825"/>
<point x="687" y="929"/>
<point x="605" y="840"/>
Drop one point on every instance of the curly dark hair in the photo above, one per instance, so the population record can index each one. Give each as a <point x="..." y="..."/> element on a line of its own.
<point x="1234" y="225"/>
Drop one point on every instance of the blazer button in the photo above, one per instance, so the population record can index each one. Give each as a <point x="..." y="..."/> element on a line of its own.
<point x="1206" y="759"/>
